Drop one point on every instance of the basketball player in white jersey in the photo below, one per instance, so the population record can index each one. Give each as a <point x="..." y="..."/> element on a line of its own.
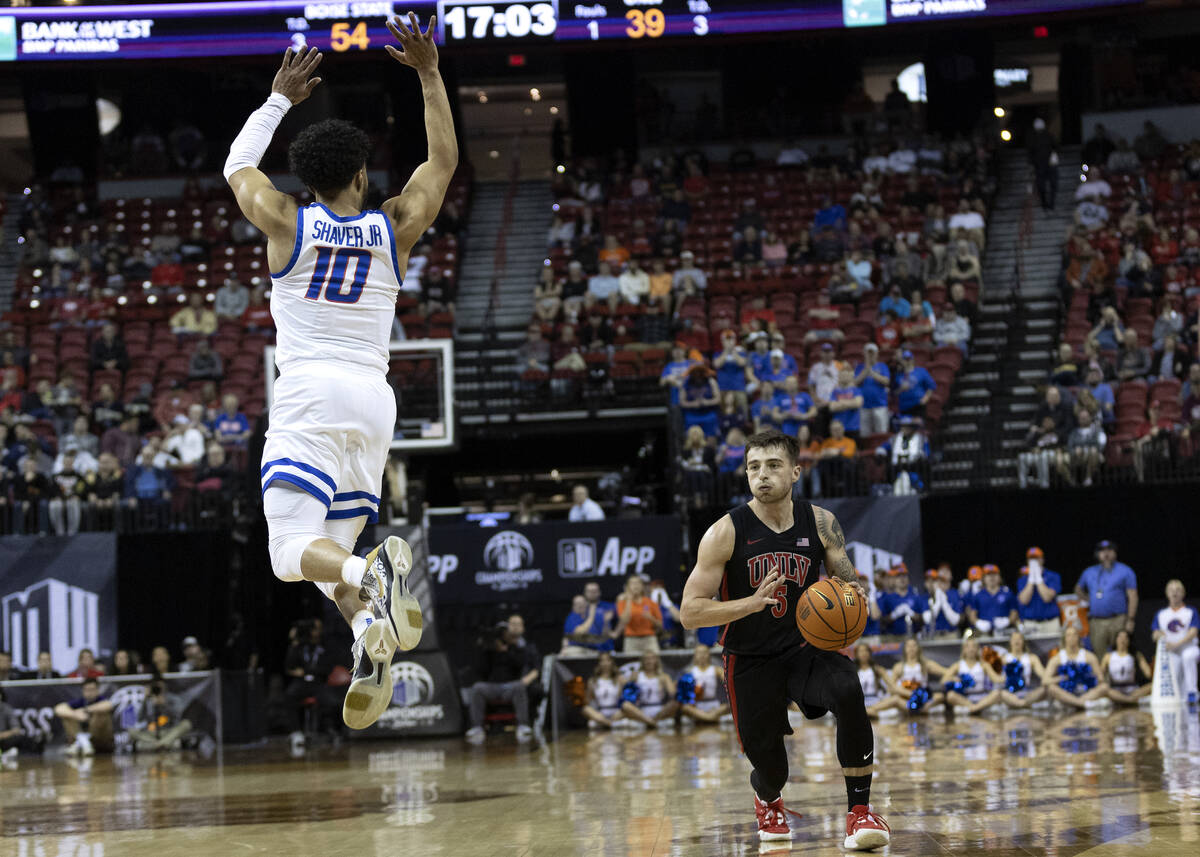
<point x="335" y="274"/>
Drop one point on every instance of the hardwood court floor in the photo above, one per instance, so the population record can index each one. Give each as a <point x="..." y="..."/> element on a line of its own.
<point x="1102" y="785"/>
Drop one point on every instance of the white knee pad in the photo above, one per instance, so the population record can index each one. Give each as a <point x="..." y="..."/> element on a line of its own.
<point x="295" y="519"/>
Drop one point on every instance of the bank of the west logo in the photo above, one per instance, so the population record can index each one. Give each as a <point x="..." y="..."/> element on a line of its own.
<point x="50" y="616"/>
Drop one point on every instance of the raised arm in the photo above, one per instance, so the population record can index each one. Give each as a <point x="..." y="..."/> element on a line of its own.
<point x="697" y="608"/>
<point x="418" y="204"/>
<point x="273" y="212"/>
<point x="836" y="562"/>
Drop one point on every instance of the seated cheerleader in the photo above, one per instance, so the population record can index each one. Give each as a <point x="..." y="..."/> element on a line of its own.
<point x="603" y="707"/>
<point x="910" y="681"/>
<point x="1121" y="668"/>
<point x="696" y="691"/>
<point x="876" y="687"/>
<point x="970" y="682"/>
<point x="650" y="697"/>
<point x="1021" y="667"/>
<point x="1073" y="675"/>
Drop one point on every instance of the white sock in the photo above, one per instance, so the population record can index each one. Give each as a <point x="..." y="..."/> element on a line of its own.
<point x="353" y="570"/>
<point x="359" y="623"/>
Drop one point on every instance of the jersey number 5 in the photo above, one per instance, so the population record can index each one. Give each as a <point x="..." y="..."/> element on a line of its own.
<point x="780" y="609"/>
<point x="332" y="278"/>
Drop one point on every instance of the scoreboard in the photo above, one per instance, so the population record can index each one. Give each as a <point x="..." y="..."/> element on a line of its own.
<point x="247" y="27"/>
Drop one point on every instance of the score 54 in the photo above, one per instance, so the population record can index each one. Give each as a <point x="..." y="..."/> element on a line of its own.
<point x="342" y="38"/>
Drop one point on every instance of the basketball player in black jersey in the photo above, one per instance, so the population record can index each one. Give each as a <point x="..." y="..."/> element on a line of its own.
<point x="752" y="567"/>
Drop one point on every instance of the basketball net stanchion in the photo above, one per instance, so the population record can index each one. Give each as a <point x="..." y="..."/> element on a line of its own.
<point x="1165" y="692"/>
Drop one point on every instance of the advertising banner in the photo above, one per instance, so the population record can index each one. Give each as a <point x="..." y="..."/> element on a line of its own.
<point x="550" y="562"/>
<point x="880" y="532"/>
<point x="59" y="595"/>
<point x="197" y="692"/>
<point x="425" y="699"/>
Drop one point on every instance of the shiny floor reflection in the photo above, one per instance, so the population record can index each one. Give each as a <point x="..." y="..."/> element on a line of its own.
<point x="1109" y="785"/>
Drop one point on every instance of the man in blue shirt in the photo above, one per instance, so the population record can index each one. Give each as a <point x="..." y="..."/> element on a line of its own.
<point x="945" y="604"/>
<point x="993" y="608"/>
<point x="762" y="411"/>
<point x="793" y="408"/>
<point x="845" y="403"/>
<point x="589" y="624"/>
<point x="675" y="371"/>
<point x="902" y="606"/>
<point x="896" y="302"/>
<point x="873" y="378"/>
<point x="915" y="386"/>
<point x="1111" y="590"/>
<point x="732" y="363"/>
<point x="1103" y="393"/>
<point x="776" y="371"/>
<point x="231" y="426"/>
<point x="1037" y="596"/>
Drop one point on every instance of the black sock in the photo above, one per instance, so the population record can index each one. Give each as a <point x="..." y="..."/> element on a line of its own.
<point x="858" y="791"/>
<point x="764" y="793"/>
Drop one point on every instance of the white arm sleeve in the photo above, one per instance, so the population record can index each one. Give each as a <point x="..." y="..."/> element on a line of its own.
<point x="248" y="147"/>
<point x="949" y="613"/>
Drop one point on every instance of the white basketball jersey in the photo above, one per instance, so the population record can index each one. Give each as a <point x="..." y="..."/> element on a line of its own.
<point x="706" y="681"/>
<point x="335" y="299"/>
<point x="1121" y="669"/>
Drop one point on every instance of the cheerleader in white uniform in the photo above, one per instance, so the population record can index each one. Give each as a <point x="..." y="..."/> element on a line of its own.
<point x="874" y="680"/>
<point x="909" y="675"/>
<point x="655" y="694"/>
<point x="1072" y="653"/>
<point x="603" y="707"/>
<point x="1121" y="668"/>
<point x="1031" y="668"/>
<point x="707" y="707"/>
<point x="984" y="690"/>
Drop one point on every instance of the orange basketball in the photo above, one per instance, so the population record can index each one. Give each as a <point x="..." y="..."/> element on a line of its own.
<point x="831" y="615"/>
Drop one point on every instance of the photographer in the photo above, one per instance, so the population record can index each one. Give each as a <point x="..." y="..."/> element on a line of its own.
<point x="162" y="723"/>
<point x="509" y="667"/>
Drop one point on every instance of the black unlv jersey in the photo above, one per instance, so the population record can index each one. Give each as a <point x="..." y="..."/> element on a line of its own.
<point x="757" y="551"/>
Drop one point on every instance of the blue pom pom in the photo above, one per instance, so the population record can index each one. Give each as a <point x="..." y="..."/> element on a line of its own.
<point x="919" y="697"/>
<point x="1014" y="676"/>
<point x="685" y="690"/>
<point x="631" y="693"/>
<point x="965" y="682"/>
<point x="1077" y="678"/>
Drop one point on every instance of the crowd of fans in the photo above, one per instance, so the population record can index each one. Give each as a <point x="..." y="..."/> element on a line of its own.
<point x="1123" y="396"/>
<point x="131" y="364"/>
<point x="829" y="294"/>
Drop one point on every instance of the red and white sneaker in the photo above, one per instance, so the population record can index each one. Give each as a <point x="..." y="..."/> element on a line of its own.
<point x="772" y="820"/>
<point x="866" y="830"/>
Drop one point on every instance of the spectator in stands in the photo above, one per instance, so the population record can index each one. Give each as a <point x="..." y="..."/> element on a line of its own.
<point x="1123" y="159"/>
<point x="993" y="608"/>
<point x="675" y="372"/>
<point x="232" y="299"/>
<point x="216" y="480"/>
<point x="45" y="668"/>
<point x="195" y="248"/>
<point x="31" y="492"/>
<point x="1179" y="626"/>
<point x="107" y="410"/>
<point x="163" y="724"/>
<point x="660" y="283"/>
<point x="917" y="330"/>
<point x="733" y="366"/>
<point x="87" y="721"/>
<point x="1170" y="361"/>
<point x="688" y="280"/>
<point x="967" y="223"/>
<point x="907" y="453"/>
<point x="307" y="666"/>
<point x="1111" y="589"/>
<point x="699" y="398"/>
<point x="698" y="466"/>
<point x="793" y="408"/>
<point x="890" y="334"/>
<point x="836" y="461"/>
<point x="964" y="267"/>
<point x="1067" y="373"/>
<point x="1098" y="147"/>
<point x="187" y="441"/>
<point x="603" y="286"/>
<point x="108" y="351"/>
<point x="845" y="403"/>
<point x="1084" y="451"/>
<point x="195" y="318"/>
<point x="533" y="355"/>
<point x="104" y="490"/>
<point x="147" y="486"/>
<point x="583" y="507"/>
<point x="653" y="327"/>
<point x="7" y="672"/>
<point x="1152" y="445"/>
<point x="639" y="618"/>
<point x="86" y="666"/>
<point x="952" y="329"/>
<point x="827" y="245"/>
<point x="747" y="249"/>
<point x="914" y="386"/>
<point x="633" y="284"/>
<point x="1043" y="157"/>
<point x="859" y="271"/>
<point x="257" y="316"/>
<point x="614" y="253"/>
<point x="946" y="607"/>
<point x="823" y="376"/>
<point x="547" y="296"/>
<point x="66" y="497"/>
<point x="1102" y="392"/>
<point x="774" y="250"/>
<point x="1037" y="594"/>
<point x="205" y="364"/>
<point x="1109" y="332"/>
<point x="873" y="378"/>
<point x="80" y="438"/>
<point x="823" y="320"/>
<point x="122" y="441"/>
<point x="561" y="232"/>
<point x="230" y="427"/>
<point x="1169" y="323"/>
<point x="1133" y="361"/>
<point x="894" y="301"/>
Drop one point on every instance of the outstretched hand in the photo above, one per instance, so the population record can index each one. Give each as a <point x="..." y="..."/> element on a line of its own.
<point x="764" y="596"/>
<point x="292" y="79"/>
<point x="420" y="52"/>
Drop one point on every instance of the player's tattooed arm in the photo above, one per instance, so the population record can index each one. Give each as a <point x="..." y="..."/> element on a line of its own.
<point x="837" y="563"/>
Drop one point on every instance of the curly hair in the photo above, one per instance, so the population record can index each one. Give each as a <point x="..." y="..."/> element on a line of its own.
<point x="325" y="156"/>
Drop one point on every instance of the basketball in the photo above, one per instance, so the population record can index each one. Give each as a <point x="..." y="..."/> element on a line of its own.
<point x="831" y="615"/>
